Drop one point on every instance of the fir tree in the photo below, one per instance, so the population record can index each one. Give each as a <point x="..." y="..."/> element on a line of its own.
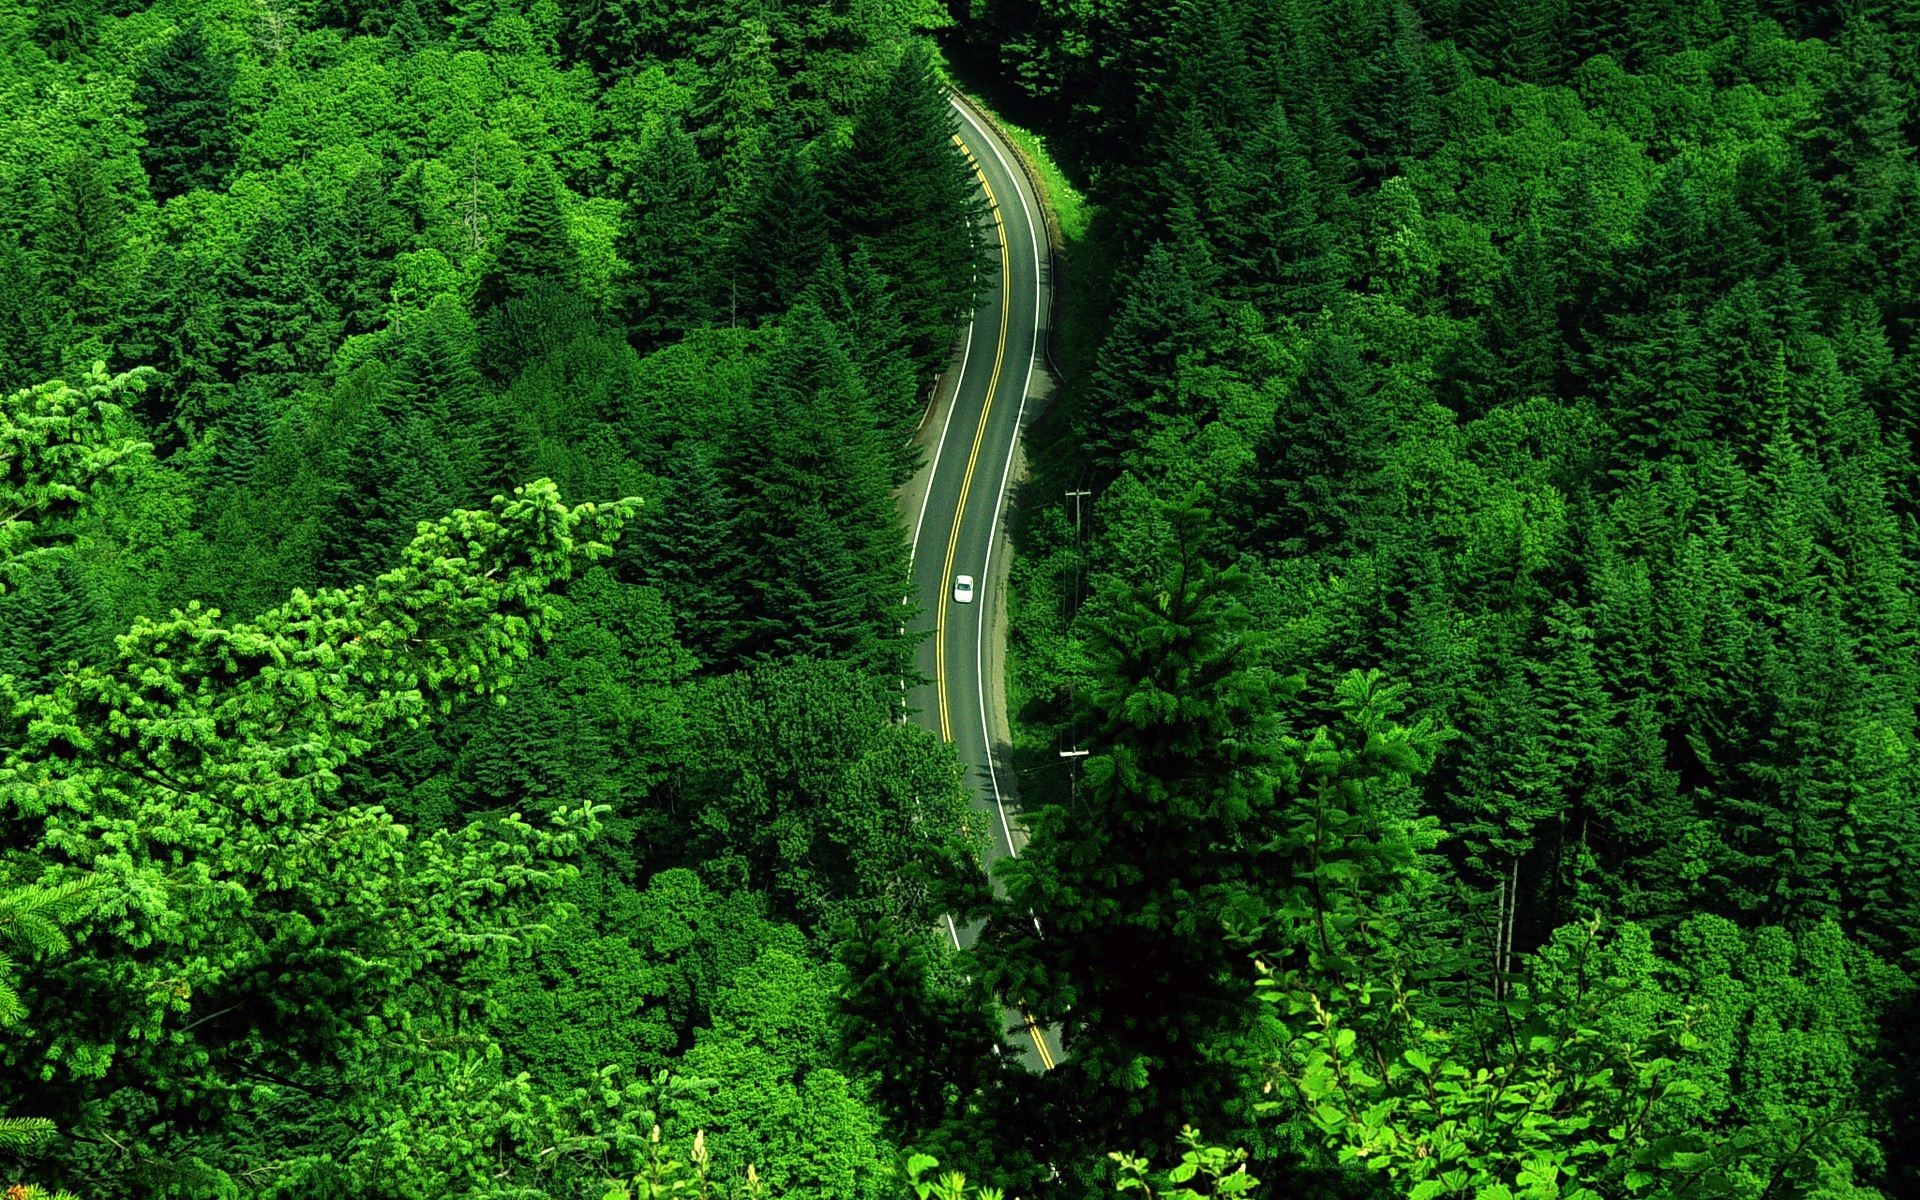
<point x="903" y="189"/>
<point x="777" y="244"/>
<point x="616" y="35"/>
<point x="1519" y="41"/>
<point x="1126" y="916"/>
<point x="1518" y="353"/>
<point x="23" y="316"/>
<point x="357" y="243"/>
<point x="534" y="247"/>
<point x="1281" y="257"/>
<point x="185" y="95"/>
<point x="688" y="545"/>
<point x="926" y="1034"/>
<point x="82" y="241"/>
<point x="409" y="28"/>
<point x="1317" y="462"/>
<point x="667" y="238"/>
<point x="435" y="377"/>
<point x="1392" y="100"/>
<point x="859" y="300"/>
<point x="809" y="446"/>
<point x="1163" y="317"/>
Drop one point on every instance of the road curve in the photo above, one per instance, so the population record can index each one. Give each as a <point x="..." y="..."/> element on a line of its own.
<point x="959" y="519"/>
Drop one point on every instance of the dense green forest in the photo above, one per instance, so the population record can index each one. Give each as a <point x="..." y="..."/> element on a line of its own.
<point x="450" y="625"/>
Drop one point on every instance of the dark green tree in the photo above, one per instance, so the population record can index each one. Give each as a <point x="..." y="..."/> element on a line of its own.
<point x="1163" y="317"/>
<point x="801" y="780"/>
<point x="777" y="244"/>
<point x="24" y="332"/>
<point x="926" y="1034"/>
<point x="688" y="545"/>
<point x="1281" y="255"/>
<point x="279" y="322"/>
<point x="1518" y="353"/>
<point x="667" y="238"/>
<point x="533" y="247"/>
<point x="860" y="300"/>
<point x="82" y="241"/>
<point x="1317" y="463"/>
<point x="435" y="374"/>
<point x="905" y="191"/>
<point x="1858" y="148"/>
<point x="1392" y="99"/>
<point x="812" y="469"/>
<point x="185" y="97"/>
<point x="1517" y="41"/>
<point x="409" y="28"/>
<point x="1145" y="885"/>
<point x="616" y="36"/>
<point x="357" y="242"/>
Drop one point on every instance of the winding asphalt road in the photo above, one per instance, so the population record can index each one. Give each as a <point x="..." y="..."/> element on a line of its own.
<point x="959" y="520"/>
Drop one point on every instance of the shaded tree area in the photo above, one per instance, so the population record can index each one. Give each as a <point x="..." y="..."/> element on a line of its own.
<point x="1491" y="626"/>
<point x="1520" y="368"/>
<point x="373" y="268"/>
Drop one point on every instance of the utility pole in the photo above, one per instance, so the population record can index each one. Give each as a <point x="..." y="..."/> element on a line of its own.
<point x="1073" y="791"/>
<point x="1079" y="567"/>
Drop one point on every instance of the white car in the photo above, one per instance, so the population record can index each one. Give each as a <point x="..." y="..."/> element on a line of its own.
<point x="963" y="589"/>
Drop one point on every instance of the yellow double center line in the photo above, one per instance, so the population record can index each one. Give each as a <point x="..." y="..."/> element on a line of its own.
<point x="973" y="456"/>
<point x="966" y="486"/>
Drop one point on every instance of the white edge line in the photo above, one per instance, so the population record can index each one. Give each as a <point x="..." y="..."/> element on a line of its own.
<point x="993" y="529"/>
<point x="933" y="466"/>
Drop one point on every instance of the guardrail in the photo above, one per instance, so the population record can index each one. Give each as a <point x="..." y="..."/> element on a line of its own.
<point x="1056" y="244"/>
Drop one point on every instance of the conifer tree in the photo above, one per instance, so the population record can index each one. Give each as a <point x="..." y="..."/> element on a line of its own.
<point x="185" y="96"/>
<point x="903" y="189"/>
<point x="859" y="300"/>
<point x="534" y="246"/>
<point x="808" y="446"/>
<point x="1163" y="316"/>
<point x="1519" y="41"/>
<point x="1281" y="257"/>
<point x="926" y="1034"/>
<point x="1518" y="354"/>
<point x="435" y="377"/>
<point x="357" y="243"/>
<point x="777" y="244"/>
<point x="1143" y="885"/>
<point x="82" y="241"/>
<point x="45" y="622"/>
<point x="278" y="320"/>
<point x="735" y="120"/>
<point x="667" y="238"/>
<point x="616" y="36"/>
<point x="1859" y="149"/>
<point x="409" y="28"/>
<point x="23" y="316"/>
<point x="1392" y="100"/>
<point x="1316" y="464"/>
<point x="688" y="545"/>
<point x="316" y="924"/>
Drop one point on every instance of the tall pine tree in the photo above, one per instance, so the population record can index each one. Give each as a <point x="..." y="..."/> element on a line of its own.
<point x="905" y="191"/>
<point x="186" y="98"/>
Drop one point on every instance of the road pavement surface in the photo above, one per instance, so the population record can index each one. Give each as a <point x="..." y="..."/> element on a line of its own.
<point x="958" y="530"/>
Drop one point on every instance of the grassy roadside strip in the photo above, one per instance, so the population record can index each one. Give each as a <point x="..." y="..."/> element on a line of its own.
<point x="1089" y="264"/>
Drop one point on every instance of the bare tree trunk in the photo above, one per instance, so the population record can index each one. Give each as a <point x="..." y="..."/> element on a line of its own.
<point x="1513" y="909"/>
<point x="1499" y="928"/>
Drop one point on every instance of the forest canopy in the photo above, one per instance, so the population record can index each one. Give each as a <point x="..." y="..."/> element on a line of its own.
<point x="451" y="640"/>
